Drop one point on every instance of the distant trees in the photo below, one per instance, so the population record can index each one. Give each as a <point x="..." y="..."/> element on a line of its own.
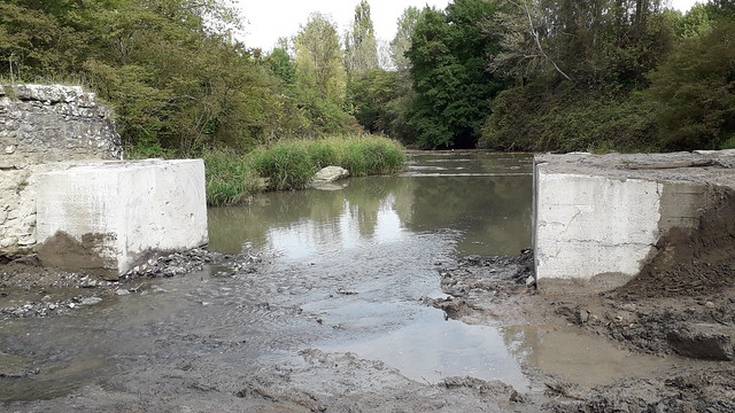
<point x="694" y="92"/>
<point x="507" y="74"/>
<point x="361" y="48"/>
<point x="401" y="43"/>
<point x="448" y="55"/>
<point x="576" y="69"/>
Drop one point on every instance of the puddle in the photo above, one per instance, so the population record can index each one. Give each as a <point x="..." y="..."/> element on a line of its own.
<point x="577" y="357"/>
<point x="429" y="349"/>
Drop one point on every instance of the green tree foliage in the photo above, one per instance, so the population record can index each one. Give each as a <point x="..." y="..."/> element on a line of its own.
<point x="319" y="59"/>
<point x="694" y="92"/>
<point x="449" y="55"/>
<point x="321" y="80"/>
<point x="177" y="80"/>
<point x="577" y="68"/>
<point x="401" y="43"/>
<point x="361" y="48"/>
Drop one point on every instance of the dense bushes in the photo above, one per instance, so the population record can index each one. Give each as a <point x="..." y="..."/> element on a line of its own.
<point x="178" y="82"/>
<point x="695" y="89"/>
<point x="231" y="178"/>
<point x="291" y="164"/>
<point x="533" y="119"/>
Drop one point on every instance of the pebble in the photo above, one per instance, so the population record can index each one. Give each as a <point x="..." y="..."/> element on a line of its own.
<point x="122" y="291"/>
<point x="583" y="316"/>
<point x="90" y="301"/>
<point x="709" y="304"/>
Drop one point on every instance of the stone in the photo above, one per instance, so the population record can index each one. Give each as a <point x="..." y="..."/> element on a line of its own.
<point x="106" y="217"/>
<point x="583" y="316"/>
<point x="704" y="341"/>
<point x="121" y="292"/>
<point x="90" y="301"/>
<point x="69" y="125"/>
<point x="330" y="174"/>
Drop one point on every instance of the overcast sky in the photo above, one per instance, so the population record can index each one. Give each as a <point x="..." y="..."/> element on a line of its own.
<point x="267" y="20"/>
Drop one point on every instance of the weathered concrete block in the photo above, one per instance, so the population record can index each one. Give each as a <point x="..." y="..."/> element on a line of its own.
<point x="602" y="217"/>
<point x="106" y="216"/>
<point x="589" y="225"/>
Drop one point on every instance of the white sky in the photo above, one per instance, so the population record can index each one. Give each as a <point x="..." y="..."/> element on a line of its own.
<point x="267" y="20"/>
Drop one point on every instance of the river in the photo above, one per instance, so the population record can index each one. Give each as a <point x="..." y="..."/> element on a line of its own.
<point x="347" y="269"/>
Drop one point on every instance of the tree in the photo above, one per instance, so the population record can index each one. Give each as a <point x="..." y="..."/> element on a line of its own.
<point x="694" y="92"/>
<point x="321" y="80"/>
<point x="170" y="69"/>
<point x="361" y="48"/>
<point x="319" y="65"/>
<point x="448" y="57"/>
<point x="282" y="66"/>
<point x="401" y="43"/>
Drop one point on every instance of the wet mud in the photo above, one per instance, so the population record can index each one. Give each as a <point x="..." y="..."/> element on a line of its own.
<point x="483" y="291"/>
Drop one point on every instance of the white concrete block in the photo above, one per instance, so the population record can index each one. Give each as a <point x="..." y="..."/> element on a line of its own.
<point x="590" y="225"/>
<point x="106" y="216"/>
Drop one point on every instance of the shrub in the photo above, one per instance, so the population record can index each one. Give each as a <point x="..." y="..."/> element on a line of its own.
<point x="287" y="165"/>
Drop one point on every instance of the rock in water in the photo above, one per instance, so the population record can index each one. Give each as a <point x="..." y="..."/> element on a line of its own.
<point x="330" y="174"/>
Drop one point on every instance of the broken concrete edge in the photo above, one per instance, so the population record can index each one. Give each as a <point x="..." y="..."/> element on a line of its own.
<point x="598" y="257"/>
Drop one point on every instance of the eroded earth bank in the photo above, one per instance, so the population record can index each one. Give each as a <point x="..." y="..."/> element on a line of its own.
<point x="392" y="294"/>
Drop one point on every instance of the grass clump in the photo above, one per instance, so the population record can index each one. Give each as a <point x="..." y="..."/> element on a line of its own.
<point x="231" y="178"/>
<point x="291" y="165"/>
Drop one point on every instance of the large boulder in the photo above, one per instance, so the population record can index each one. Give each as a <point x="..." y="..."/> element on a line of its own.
<point x="330" y="174"/>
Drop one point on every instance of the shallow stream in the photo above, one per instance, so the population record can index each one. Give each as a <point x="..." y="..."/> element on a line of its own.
<point x="347" y="270"/>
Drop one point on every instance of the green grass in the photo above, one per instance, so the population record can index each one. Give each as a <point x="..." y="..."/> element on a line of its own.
<point x="231" y="178"/>
<point x="291" y="164"/>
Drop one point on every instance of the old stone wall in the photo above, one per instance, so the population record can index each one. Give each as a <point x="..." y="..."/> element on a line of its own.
<point x="44" y="128"/>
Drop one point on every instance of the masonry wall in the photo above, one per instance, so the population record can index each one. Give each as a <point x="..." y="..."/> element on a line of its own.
<point x="42" y="128"/>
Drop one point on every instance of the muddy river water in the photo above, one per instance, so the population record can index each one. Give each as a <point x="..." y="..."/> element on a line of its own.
<point x="346" y="270"/>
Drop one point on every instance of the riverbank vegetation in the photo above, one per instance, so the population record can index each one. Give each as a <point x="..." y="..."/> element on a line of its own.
<point x="532" y="75"/>
<point x="291" y="164"/>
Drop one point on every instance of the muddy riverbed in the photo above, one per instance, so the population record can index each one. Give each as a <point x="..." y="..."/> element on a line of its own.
<point x="376" y="296"/>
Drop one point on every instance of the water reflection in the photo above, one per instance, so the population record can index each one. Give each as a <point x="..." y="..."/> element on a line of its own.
<point x="577" y="357"/>
<point x="492" y="209"/>
<point x="430" y="349"/>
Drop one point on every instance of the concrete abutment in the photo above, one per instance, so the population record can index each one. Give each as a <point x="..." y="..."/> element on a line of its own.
<point x="600" y="220"/>
<point x="66" y="194"/>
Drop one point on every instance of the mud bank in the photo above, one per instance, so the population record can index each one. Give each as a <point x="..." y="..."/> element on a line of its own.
<point x="685" y="332"/>
<point x="28" y="289"/>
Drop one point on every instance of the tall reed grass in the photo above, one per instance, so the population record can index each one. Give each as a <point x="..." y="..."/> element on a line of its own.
<point x="291" y="164"/>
